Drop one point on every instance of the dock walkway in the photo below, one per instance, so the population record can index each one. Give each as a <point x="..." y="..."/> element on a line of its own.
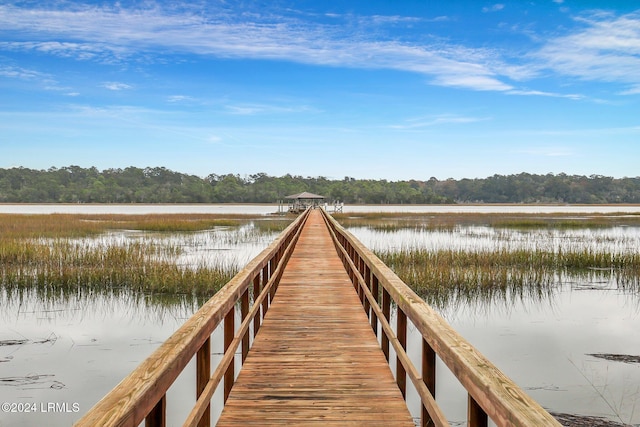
<point x="312" y="297"/>
<point x="315" y="359"/>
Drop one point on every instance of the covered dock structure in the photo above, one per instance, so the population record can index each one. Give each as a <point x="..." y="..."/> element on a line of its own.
<point x="301" y="201"/>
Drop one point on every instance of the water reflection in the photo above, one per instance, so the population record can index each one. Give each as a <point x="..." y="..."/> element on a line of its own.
<point x="73" y="346"/>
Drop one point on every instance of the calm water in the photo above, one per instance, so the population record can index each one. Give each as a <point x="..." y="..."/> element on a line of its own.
<point x="266" y="209"/>
<point x="72" y="349"/>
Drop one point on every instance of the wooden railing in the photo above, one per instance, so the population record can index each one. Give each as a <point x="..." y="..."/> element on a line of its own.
<point x="490" y="393"/>
<point x="141" y="396"/>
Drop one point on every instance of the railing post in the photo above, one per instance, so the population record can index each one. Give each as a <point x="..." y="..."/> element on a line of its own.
<point x="367" y="283"/>
<point x="158" y="415"/>
<point x="265" y="280"/>
<point x="374" y="292"/>
<point x="358" y="264"/>
<point x="229" y="332"/>
<point x="244" y="310"/>
<point x="273" y="263"/>
<point x="256" y="293"/>
<point x="401" y="333"/>
<point x="429" y="378"/>
<point x="203" y="372"/>
<point x="386" y="311"/>
<point x="476" y="417"/>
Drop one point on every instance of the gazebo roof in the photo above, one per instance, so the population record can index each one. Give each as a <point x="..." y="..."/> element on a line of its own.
<point x="304" y="195"/>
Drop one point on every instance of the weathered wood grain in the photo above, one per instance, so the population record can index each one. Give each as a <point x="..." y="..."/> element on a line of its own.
<point x="315" y="359"/>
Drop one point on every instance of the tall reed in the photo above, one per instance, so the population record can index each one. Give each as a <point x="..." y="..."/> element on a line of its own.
<point x="440" y="275"/>
<point x="140" y="266"/>
<point x="62" y="251"/>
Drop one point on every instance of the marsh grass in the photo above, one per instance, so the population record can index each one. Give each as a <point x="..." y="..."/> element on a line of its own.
<point x="447" y="275"/>
<point x="52" y="252"/>
<point x="83" y="225"/>
<point x="139" y="266"/>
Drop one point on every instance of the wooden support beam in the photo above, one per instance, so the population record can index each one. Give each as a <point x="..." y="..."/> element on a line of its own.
<point x="203" y="372"/>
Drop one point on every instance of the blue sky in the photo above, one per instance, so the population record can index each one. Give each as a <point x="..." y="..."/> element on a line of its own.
<point x="367" y="89"/>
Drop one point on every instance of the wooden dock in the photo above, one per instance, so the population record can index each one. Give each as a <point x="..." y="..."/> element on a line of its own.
<point x="312" y="301"/>
<point x="315" y="359"/>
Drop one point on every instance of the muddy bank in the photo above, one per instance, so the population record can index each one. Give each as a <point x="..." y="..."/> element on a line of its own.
<point x="570" y="420"/>
<point x="626" y="358"/>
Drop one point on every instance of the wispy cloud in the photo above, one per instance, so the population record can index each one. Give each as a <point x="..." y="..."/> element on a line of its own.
<point x="80" y="51"/>
<point x="525" y="92"/>
<point x="253" y="109"/>
<point x="605" y="48"/>
<point x="180" y="98"/>
<point x="547" y="151"/>
<point x="22" y="73"/>
<point x="43" y="80"/>
<point x="100" y="33"/>
<point x="495" y="8"/>
<point x="634" y="90"/>
<point x="116" y="86"/>
<point x="442" y="119"/>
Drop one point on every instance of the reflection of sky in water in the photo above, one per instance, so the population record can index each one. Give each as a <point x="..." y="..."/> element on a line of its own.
<point x="94" y="342"/>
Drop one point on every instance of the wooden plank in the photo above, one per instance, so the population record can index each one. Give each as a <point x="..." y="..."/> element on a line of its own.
<point x="315" y="359"/>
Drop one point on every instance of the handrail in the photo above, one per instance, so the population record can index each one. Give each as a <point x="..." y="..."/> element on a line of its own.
<point x="490" y="392"/>
<point x="142" y="394"/>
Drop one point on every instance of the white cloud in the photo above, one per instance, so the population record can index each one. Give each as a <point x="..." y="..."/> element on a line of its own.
<point x="116" y="86"/>
<point x="80" y="51"/>
<point x="111" y="34"/>
<point x="22" y="73"/>
<point x="495" y="8"/>
<point x="549" y="151"/>
<point x="542" y="93"/>
<point x="634" y="90"/>
<point x="606" y="48"/>
<point x="442" y="119"/>
<point x="252" y="109"/>
<point x="43" y="80"/>
<point x="478" y="82"/>
<point x="180" y="98"/>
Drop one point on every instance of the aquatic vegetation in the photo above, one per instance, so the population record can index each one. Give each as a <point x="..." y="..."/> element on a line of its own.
<point x="82" y="225"/>
<point x="136" y="265"/>
<point x="425" y="270"/>
<point x="86" y="251"/>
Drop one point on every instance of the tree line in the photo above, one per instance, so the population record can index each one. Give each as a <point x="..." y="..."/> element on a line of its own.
<point x="74" y="184"/>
